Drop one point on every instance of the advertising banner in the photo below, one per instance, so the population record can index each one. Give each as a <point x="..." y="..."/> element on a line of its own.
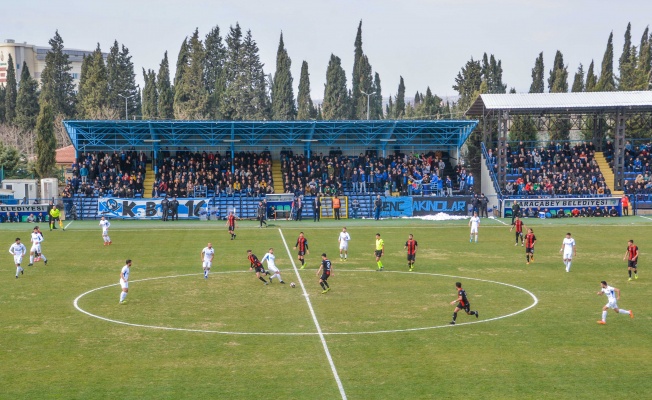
<point x="435" y="205"/>
<point x="396" y="207"/>
<point x="149" y="208"/>
<point x="24" y="211"/>
<point x="566" y="204"/>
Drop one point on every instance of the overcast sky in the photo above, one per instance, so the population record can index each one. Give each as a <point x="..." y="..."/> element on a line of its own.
<point x="426" y="42"/>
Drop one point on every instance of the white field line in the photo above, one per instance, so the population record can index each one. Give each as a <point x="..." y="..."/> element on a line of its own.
<point x="645" y="217"/>
<point x="314" y="319"/>
<point x="69" y="223"/>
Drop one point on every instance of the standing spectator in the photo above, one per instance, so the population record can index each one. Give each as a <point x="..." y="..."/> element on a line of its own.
<point x="165" y="208"/>
<point x="83" y="173"/>
<point x="354" y="179"/>
<point x="299" y="207"/>
<point x="261" y="214"/>
<point x="516" y="210"/>
<point x="625" y="204"/>
<point x="316" y="208"/>
<point x="355" y="205"/>
<point x="378" y="206"/>
<point x="174" y="209"/>
<point x="336" y="207"/>
<point x="469" y="182"/>
<point x="449" y="186"/>
<point x="484" y="203"/>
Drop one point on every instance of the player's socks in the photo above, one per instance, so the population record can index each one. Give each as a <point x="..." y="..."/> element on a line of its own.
<point x="322" y="285"/>
<point x="454" y="317"/>
<point x="604" y="316"/>
<point x="263" y="279"/>
<point x="45" y="260"/>
<point x="623" y="311"/>
<point x="31" y="259"/>
<point x="326" y="284"/>
<point x="630" y="274"/>
<point x="18" y="270"/>
<point x="568" y="268"/>
<point x="123" y="296"/>
<point x="205" y="274"/>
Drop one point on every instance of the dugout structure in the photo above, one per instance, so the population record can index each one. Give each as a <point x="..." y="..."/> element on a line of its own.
<point x="597" y="113"/>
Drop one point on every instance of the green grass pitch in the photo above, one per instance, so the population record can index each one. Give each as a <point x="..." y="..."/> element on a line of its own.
<point x="387" y="333"/>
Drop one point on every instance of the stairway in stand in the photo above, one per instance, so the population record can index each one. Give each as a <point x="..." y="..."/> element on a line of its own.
<point x="277" y="176"/>
<point x="150" y="178"/>
<point x="608" y="173"/>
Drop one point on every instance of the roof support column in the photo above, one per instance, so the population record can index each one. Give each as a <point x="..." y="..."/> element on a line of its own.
<point x="619" y="149"/>
<point x="503" y="118"/>
<point x="598" y="132"/>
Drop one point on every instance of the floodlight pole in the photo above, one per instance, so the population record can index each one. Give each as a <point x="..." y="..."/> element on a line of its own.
<point x="368" y="96"/>
<point x="126" y="110"/>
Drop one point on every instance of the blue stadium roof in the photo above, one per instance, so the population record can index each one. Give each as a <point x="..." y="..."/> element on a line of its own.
<point x="198" y="135"/>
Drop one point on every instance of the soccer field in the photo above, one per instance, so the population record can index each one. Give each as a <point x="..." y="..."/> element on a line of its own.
<point x="375" y="335"/>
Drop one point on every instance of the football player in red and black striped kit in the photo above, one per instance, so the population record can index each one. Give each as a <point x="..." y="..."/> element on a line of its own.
<point x="302" y="245"/>
<point x="230" y="222"/>
<point x="462" y="303"/>
<point x="518" y="224"/>
<point x="530" y="240"/>
<point x="411" y="247"/>
<point x="257" y="265"/>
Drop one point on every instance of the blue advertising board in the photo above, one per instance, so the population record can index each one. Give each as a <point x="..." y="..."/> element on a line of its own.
<point x="396" y="207"/>
<point x="149" y="208"/>
<point x="434" y="205"/>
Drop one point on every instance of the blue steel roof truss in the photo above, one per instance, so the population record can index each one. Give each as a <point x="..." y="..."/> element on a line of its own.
<point x="117" y="135"/>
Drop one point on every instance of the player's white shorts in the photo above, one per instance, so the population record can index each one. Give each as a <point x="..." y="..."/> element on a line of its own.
<point x="568" y="256"/>
<point x="36" y="248"/>
<point x="123" y="284"/>
<point x="272" y="268"/>
<point x="344" y="246"/>
<point x="18" y="260"/>
<point x="474" y="229"/>
<point x="207" y="264"/>
<point x="612" y="304"/>
<point x="105" y="232"/>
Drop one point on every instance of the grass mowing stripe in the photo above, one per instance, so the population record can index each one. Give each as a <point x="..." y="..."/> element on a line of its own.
<point x="314" y="319"/>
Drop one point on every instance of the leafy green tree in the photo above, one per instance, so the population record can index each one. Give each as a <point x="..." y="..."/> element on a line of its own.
<point x="94" y="87"/>
<point x="607" y="83"/>
<point x="11" y="160"/>
<point x="467" y="83"/>
<point x="591" y="79"/>
<point x="399" y="104"/>
<point x="578" y="80"/>
<point x="122" y="81"/>
<point x="233" y="73"/>
<point x="538" y="72"/>
<point x="214" y="78"/>
<point x="377" y="99"/>
<point x="492" y="74"/>
<point x="165" y="95"/>
<point x="57" y="85"/>
<point x="253" y="101"/>
<point x="523" y="128"/>
<point x="45" y="142"/>
<point x="283" y="107"/>
<point x="150" y="95"/>
<point x="306" y="110"/>
<point x="182" y="62"/>
<point x="27" y="108"/>
<point x="335" y="103"/>
<point x="358" y="104"/>
<point x="644" y="65"/>
<point x="560" y="129"/>
<point x="11" y="93"/>
<point x="389" y="108"/>
<point x="190" y="94"/>
<point x="557" y="65"/>
<point x="625" y="67"/>
<point x="429" y="105"/>
<point x="3" y="92"/>
<point x="365" y="84"/>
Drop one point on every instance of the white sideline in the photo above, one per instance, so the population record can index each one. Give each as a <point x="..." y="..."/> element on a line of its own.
<point x="645" y="217"/>
<point x="314" y="319"/>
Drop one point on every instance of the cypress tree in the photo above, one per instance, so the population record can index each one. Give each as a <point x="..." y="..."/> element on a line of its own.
<point x="365" y="84"/>
<point x="253" y="100"/>
<point x="116" y="103"/>
<point x="3" y="92"/>
<point x="591" y="79"/>
<point x="150" y="95"/>
<point x="182" y="62"/>
<point x="557" y="65"/>
<point x="561" y="126"/>
<point x="578" y="80"/>
<point x="358" y="111"/>
<point x="537" y="85"/>
<point x="607" y="83"/>
<point x="45" y="141"/>
<point x="283" y="107"/>
<point x="27" y="108"/>
<point x="389" y="109"/>
<point x="214" y="79"/>
<point x="624" y="62"/>
<point x="335" y="103"/>
<point x="643" y="68"/>
<point x="11" y="91"/>
<point x="467" y="83"/>
<point x="165" y="96"/>
<point x="93" y="89"/>
<point x="399" y="105"/>
<point x="190" y="95"/>
<point x="57" y="86"/>
<point x="306" y="109"/>
<point x="122" y="81"/>
<point x="377" y="99"/>
<point x="233" y="76"/>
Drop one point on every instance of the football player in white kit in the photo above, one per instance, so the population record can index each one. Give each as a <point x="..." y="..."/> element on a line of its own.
<point x="344" y="244"/>
<point x="35" y="253"/>
<point x="271" y="265"/>
<point x="569" y="250"/>
<point x="104" y="223"/>
<point x="613" y="295"/>
<point x="18" y="250"/>
<point x="474" y="223"/>
<point x="124" y="281"/>
<point x="207" y="255"/>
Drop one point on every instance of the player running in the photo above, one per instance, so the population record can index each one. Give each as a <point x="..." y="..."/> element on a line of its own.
<point x="530" y="240"/>
<point x="474" y="223"/>
<point x="631" y="255"/>
<point x="462" y="303"/>
<point x="518" y="225"/>
<point x="18" y="250"/>
<point x="124" y="281"/>
<point x="326" y="270"/>
<point x="104" y="223"/>
<point x="271" y="265"/>
<point x="206" y="256"/>
<point x="613" y="295"/>
<point x="569" y="249"/>
<point x="35" y="253"/>
<point x="302" y="245"/>
<point x="258" y="266"/>
<point x="380" y="251"/>
<point x="230" y="222"/>
<point x="411" y="247"/>
<point x="343" y="239"/>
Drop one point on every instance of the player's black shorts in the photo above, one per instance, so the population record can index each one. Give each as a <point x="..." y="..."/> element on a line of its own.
<point x="529" y="250"/>
<point x="324" y="276"/>
<point x="302" y="253"/>
<point x="466" y="307"/>
<point x="411" y="257"/>
<point x="519" y="234"/>
<point x="632" y="263"/>
<point x="259" y="269"/>
<point x="379" y="253"/>
<point x="231" y="227"/>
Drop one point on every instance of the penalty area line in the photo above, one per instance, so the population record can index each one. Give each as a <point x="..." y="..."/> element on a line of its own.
<point x="69" y="223"/>
<point x="648" y="218"/>
<point x="314" y="319"/>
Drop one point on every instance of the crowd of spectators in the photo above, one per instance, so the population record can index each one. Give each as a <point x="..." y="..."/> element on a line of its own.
<point x="555" y="169"/>
<point x="335" y="174"/>
<point x="637" y="167"/>
<point x="185" y="172"/>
